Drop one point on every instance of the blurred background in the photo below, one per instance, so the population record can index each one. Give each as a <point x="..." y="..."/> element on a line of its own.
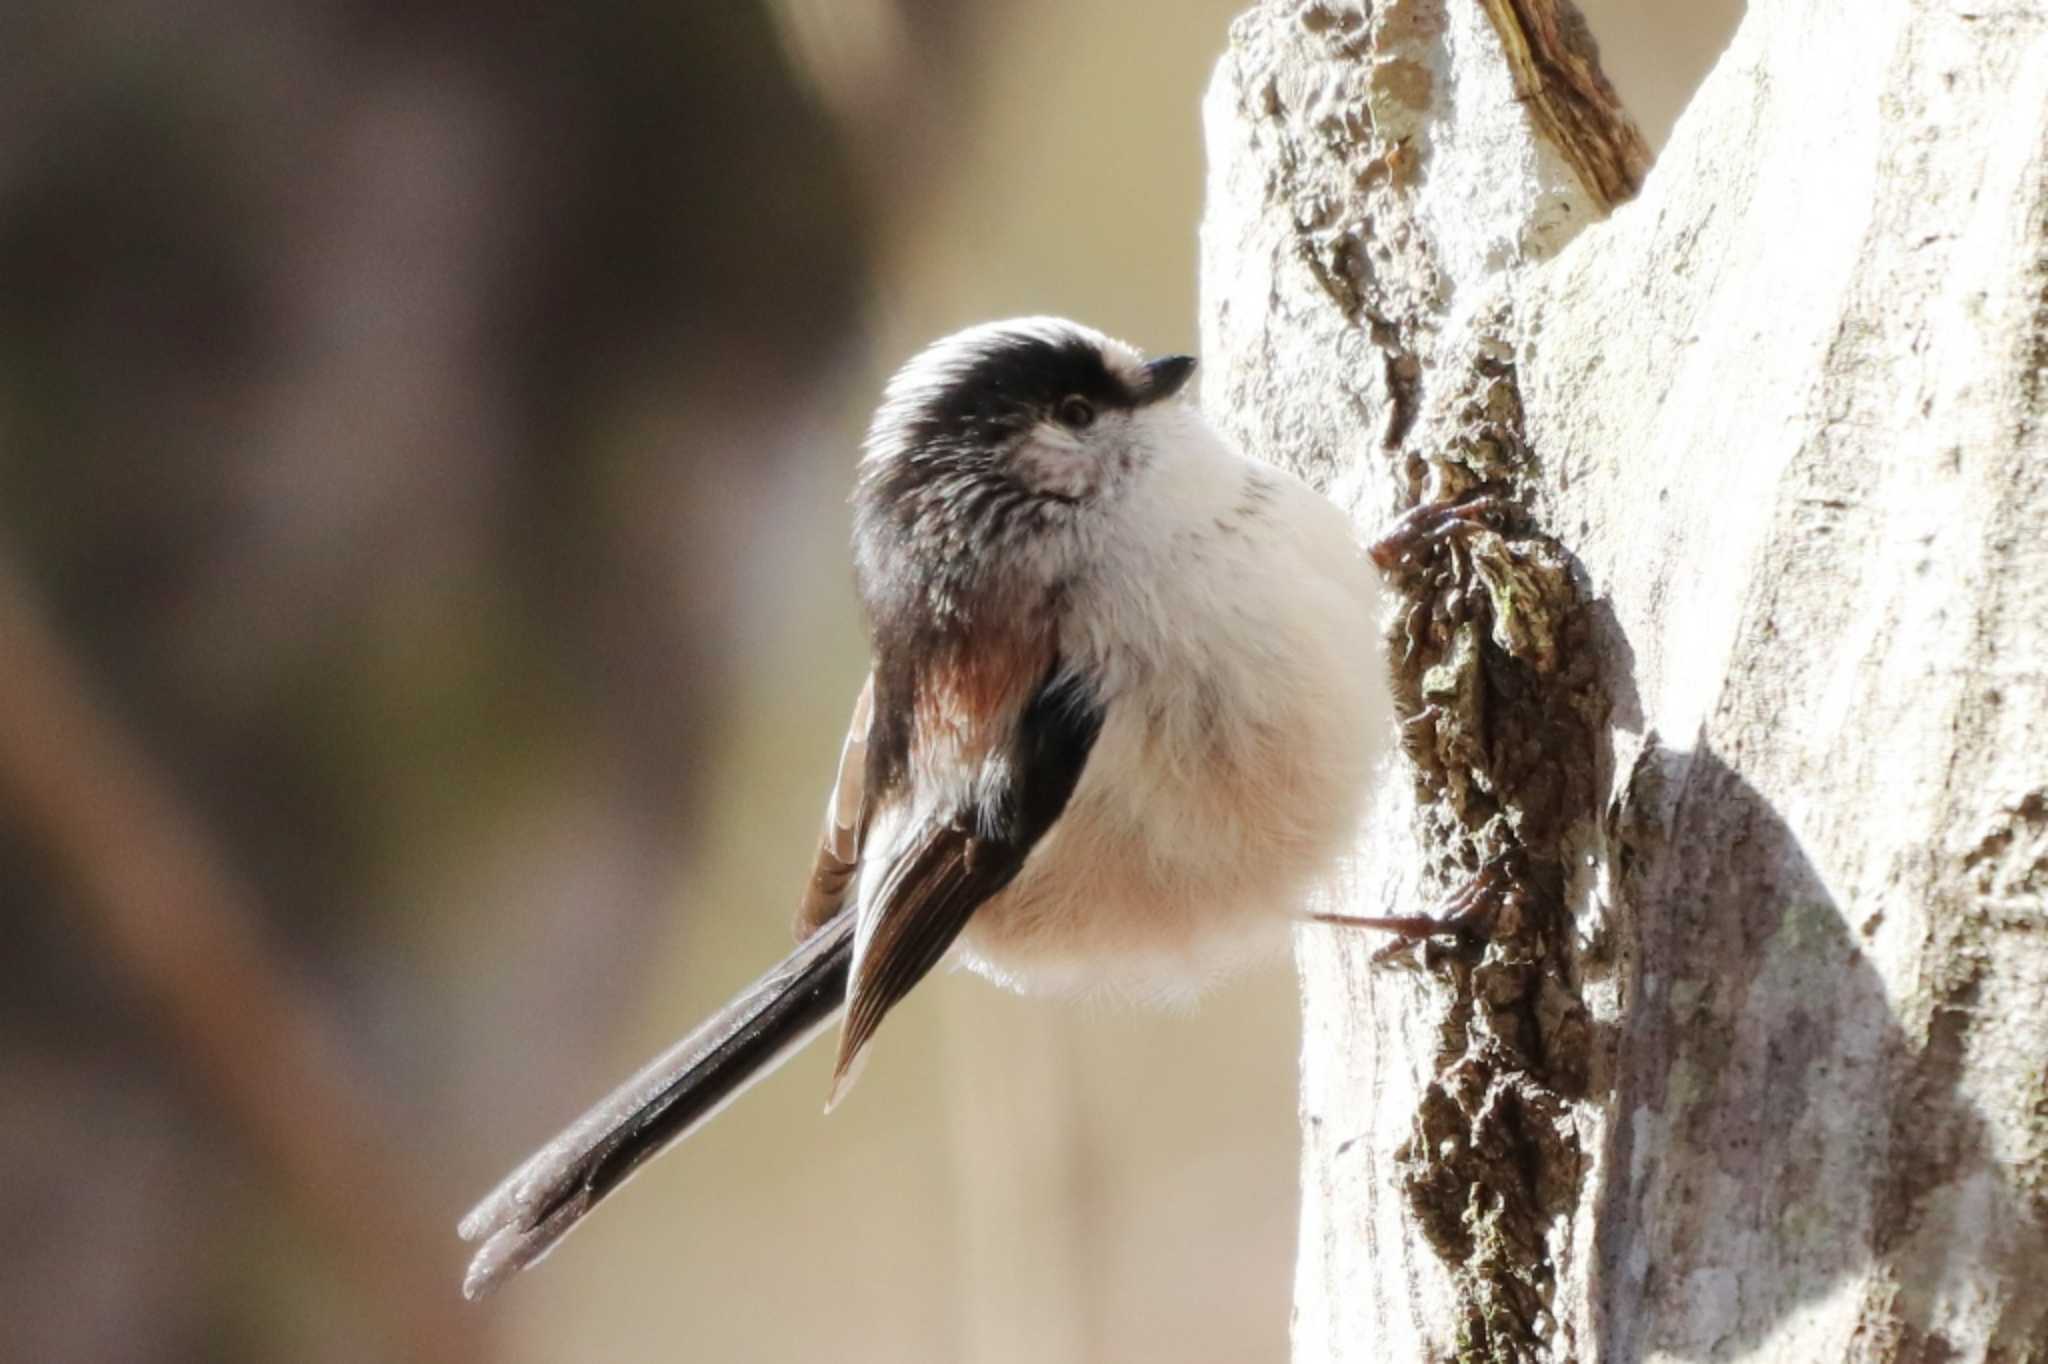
<point x="425" y="638"/>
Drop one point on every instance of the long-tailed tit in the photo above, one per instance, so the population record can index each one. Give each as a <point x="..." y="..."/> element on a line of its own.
<point x="1124" y="704"/>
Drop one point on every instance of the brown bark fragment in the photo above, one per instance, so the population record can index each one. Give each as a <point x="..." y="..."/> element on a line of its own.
<point x="1556" y="66"/>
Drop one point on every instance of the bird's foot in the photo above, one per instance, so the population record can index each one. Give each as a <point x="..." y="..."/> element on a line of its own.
<point x="1467" y="915"/>
<point x="1407" y="541"/>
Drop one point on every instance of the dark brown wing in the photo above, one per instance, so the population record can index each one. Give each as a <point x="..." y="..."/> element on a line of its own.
<point x="845" y="823"/>
<point x="945" y="870"/>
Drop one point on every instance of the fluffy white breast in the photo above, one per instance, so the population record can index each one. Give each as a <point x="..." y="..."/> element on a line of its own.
<point x="1230" y="619"/>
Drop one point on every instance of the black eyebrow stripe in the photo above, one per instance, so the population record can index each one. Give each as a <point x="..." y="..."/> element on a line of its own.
<point x="1014" y="376"/>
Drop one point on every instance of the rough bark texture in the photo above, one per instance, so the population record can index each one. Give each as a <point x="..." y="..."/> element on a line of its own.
<point x="1742" y="678"/>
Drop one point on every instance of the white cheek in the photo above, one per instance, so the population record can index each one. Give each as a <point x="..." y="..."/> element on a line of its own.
<point x="1055" y="462"/>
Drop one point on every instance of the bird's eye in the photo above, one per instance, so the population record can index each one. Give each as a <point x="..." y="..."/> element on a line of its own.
<point x="1076" y="412"/>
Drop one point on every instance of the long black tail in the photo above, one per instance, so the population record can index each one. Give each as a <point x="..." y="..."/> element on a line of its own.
<point x="769" y="1021"/>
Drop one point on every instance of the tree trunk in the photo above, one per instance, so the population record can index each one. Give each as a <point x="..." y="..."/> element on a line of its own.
<point x="1740" y="678"/>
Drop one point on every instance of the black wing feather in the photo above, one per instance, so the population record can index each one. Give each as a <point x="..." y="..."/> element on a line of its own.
<point x="956" y="865"/>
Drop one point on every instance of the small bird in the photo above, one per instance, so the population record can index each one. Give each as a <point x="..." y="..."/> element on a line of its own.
<point x="1124" y="706"/>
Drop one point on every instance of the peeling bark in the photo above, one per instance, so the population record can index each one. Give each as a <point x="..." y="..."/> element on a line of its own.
<point x="1737" y="666"/>
<point x="1557" y="70"/>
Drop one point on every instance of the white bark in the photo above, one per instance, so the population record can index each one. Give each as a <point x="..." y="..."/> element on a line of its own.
<point x="1756" y="681"/>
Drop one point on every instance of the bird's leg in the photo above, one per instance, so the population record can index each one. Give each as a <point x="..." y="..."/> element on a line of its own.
<point x="1467" y="914"/>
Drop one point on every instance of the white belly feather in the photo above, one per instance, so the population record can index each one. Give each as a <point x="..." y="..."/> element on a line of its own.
<point x="1231" y="767"/>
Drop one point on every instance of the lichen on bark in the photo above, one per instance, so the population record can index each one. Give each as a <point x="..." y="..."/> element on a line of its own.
<point x="1498" y="692"/>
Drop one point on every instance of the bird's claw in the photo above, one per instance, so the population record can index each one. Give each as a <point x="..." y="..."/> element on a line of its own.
<point x="1467" y="915"/>
<point x="1426" y="523"/>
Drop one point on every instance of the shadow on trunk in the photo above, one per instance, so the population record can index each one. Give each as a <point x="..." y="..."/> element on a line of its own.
<point x="1730" y="1154"/>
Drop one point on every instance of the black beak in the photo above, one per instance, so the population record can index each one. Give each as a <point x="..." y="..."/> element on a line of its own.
<point x="1166" y="376"/>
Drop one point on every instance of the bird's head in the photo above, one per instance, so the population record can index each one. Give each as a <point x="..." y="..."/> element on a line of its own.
<point x="1011" y="434"/>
